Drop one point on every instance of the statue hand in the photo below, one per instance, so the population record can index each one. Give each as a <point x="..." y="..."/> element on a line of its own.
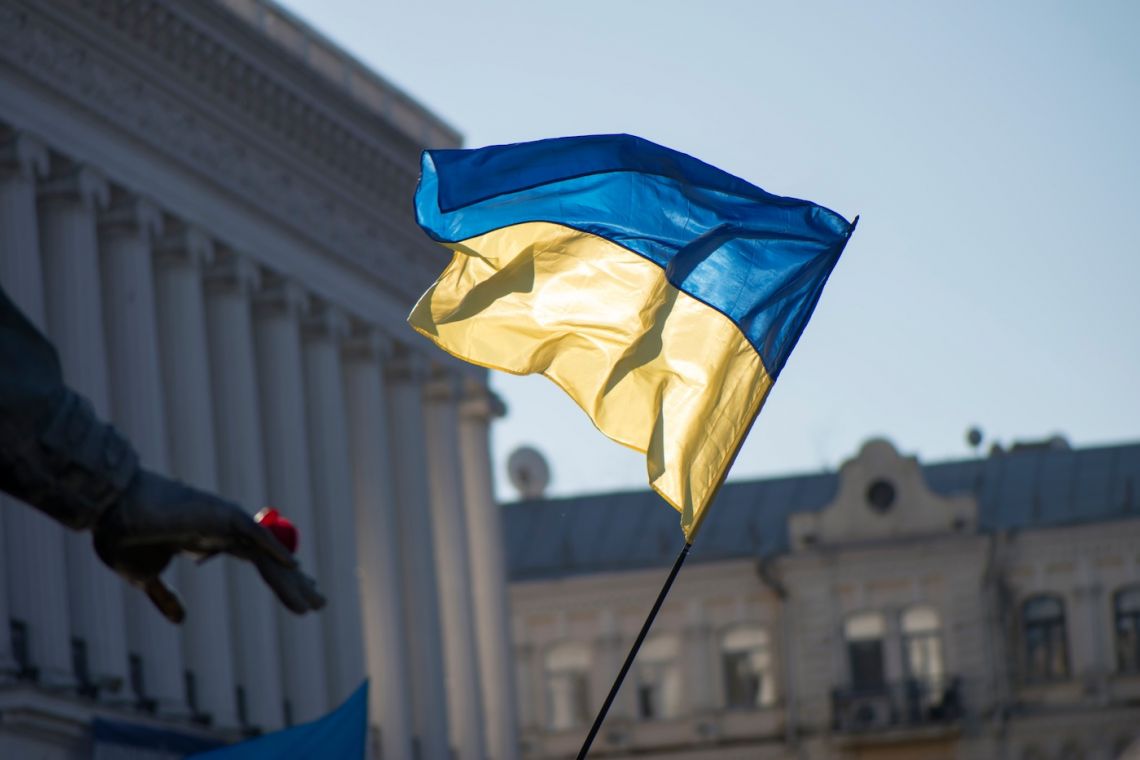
<point x="157" y="517"/>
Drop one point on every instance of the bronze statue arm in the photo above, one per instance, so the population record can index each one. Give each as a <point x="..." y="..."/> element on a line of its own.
<point x="57" y="456"/>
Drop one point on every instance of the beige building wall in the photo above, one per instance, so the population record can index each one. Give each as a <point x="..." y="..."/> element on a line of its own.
<point x="884" y="552"/>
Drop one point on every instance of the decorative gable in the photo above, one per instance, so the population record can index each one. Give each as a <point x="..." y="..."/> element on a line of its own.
<point x="882" y="496"/>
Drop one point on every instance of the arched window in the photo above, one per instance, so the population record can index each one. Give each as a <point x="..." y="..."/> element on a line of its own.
<point x="922" y="645"/>
<point x="926" y="684"/>
<point x="748" y="681"/>
<point x="567" y="670"/>
<point x="1126" y="605"/>
<point x="659" y="679"/>
<point x="864" y="634"/>
<point x="1046" y="644"/>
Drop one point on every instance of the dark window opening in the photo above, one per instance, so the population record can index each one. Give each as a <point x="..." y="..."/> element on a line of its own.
<point x="81" y="669"/>
<point x="1126" y="605"/>
<point x="138" y="684"/>
<point x="1046" y="656"/>
<point x="21" y="651"/>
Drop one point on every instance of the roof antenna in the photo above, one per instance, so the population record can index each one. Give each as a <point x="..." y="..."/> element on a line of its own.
<point x="974" y="438"/>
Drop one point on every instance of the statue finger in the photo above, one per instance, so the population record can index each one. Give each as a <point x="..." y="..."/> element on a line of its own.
<point x="297" y="591"/>
<point x="164" y="599"/>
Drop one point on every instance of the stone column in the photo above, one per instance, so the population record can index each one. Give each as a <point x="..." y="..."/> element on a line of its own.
<point x="530" y="687"/>
<point x="697" y="660"/>
<point x="241" y="477"/>
<point x="377" y="545"/>
<point x="894" y="665"/>
<point x="277" y="343"/>
<point x="33" y="542"/>
<point x="184" y="351"/>
<point x="488" y="571"/>
<point x="406" y="375"/>
<point x="74" y="317"/>
<point x="1090" y="659"/>
<point x="125" y="233"/>
<point x="327" y="424"/>
<point x="453" y="562"/>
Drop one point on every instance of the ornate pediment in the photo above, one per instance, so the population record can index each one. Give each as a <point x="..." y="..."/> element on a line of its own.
<point x="882" y="496"/>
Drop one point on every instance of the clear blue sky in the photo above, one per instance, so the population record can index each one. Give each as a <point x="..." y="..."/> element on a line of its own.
<point x="992" y="149"/>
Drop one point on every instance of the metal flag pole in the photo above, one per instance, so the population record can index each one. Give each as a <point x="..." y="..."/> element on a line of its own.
<point x="633" y="652"/>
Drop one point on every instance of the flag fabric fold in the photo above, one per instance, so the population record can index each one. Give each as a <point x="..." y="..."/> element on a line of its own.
<point x="662" y="294"/>
<point x="340" y="735"/>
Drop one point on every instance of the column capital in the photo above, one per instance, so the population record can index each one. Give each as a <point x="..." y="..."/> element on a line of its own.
<point x="367" y="342"/>
<point x="23" y="155"/>
<point x="443" y="386"/>
<point x="130" y="214"/>
<point x="406" y="366"/>
<point x="185" y="245"/>
<point x="480" y="402"/>
<point x="325" y="320"/>
<point x="280" y="295"/>
<point x="233" y="272"/>
<point x="76" y="183"/>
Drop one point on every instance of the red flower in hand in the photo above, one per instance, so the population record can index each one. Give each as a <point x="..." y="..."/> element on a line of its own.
<point x="282" y="529"/>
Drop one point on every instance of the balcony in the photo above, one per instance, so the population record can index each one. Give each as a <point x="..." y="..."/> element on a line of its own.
<point x="906" y="705"/>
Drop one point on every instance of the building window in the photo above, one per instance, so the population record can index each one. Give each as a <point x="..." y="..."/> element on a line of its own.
<point x="748" y="681"/>
<point x="922" y="646"/>
<point x="864" y="634"/>
<point x="138" y="683"/>
<point x="242" y="710"/>
<point x="21" y="651"/>
<point x="1046" y="645"/>
<point x="1126" y="604"/>
<point x="658" y="679"/>
<point x="79" y="667"/>
<point x="567" y="669"/>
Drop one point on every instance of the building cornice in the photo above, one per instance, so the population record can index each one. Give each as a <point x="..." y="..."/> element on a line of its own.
<point x="210" y="93"/>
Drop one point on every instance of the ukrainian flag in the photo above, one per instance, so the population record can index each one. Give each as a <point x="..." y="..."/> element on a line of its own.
<point x="662" y="294"/>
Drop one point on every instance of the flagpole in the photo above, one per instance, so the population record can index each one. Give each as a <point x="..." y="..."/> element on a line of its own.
<point x="633" y="652"/>
<point x="582" y="753"/>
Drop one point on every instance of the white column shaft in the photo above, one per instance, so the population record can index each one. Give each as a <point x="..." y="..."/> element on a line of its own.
<point x="417" y="558"/>
<point x="137" y="409"/>
<point x="332" y="495"/>
<point x="449" y="526"/>
<point x="33" y="542"/>
<point x="378" y="551"/>
<point x="237" y="422"/>
<point x="488" y="579"/>
<point x="74" y="311"/>
<point x="697" y="668"/>
<point x="277" y="340"/>
<point x="189" y="402"/>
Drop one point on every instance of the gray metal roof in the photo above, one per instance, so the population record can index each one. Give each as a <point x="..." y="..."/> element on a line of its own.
<point x="1028" y="487"/>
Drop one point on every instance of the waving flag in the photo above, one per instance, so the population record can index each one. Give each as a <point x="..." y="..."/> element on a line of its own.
<point x="662" y="294"/>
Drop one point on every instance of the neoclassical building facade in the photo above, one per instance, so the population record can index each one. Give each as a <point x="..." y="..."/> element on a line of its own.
<point x="206" y="207"/>
<point x="979" y="609"/>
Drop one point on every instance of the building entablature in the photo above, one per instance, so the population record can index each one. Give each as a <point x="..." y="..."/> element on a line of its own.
<point x="206" y="111"/>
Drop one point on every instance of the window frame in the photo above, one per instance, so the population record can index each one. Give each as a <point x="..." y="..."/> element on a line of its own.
<point x="577" y="680"/>
<point x="765" y="688"/>
<point x="1133" y="616"/>
<point x="854" y="642"/>
<point x="656" y="673"/>
<point x="1052" y="633"/>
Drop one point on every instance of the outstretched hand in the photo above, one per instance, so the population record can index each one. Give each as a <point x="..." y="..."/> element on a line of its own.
<point x="157" y="518"/>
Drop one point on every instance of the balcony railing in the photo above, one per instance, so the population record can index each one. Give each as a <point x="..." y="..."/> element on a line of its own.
<point x="909" y="703"/>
